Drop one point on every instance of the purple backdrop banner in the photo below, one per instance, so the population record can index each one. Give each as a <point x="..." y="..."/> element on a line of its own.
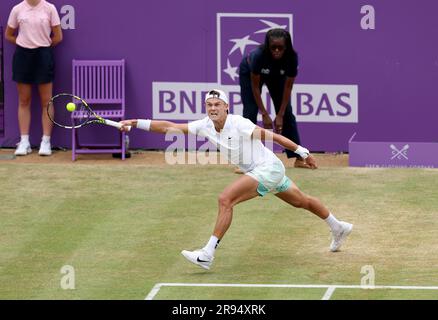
<point x="366" y="67"/>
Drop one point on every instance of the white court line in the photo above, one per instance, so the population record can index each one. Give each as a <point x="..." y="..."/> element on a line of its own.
<point x="330" y="287"/>
<point x="153" y="292"/>
<point x="328" y="293"/>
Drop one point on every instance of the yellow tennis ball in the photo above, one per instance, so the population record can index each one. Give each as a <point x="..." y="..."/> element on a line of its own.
<point x="70" y="106"/>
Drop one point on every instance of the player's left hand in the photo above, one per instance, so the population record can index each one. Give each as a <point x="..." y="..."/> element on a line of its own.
<point x="310" y="160"/>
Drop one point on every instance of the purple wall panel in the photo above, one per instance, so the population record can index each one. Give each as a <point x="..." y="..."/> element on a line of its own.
<point x="394" y="67"/>
<point x="2" y="120"/>
<point x="393" y="155"/>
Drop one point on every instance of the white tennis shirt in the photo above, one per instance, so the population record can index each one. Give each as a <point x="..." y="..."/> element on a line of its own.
<point x="235" y="141"/>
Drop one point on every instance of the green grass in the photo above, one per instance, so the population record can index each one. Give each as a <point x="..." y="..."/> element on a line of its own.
<point x="203" y="293"/>
<point x="122" y="228"/>
<point x="384" y="294"/>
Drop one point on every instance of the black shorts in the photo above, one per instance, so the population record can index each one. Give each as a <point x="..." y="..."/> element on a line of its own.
<point x="33" y="66"/>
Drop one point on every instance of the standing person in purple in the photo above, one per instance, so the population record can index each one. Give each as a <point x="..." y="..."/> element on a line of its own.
<point x="34" y="27"/>
<point x="274" y="63"/>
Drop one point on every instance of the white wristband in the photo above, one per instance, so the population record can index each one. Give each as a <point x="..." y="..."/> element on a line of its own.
<point x="144" y="124"/>
<point x="302" y="152"/>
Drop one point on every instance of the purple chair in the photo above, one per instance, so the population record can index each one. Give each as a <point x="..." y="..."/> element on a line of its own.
<point x="102" y="84"/>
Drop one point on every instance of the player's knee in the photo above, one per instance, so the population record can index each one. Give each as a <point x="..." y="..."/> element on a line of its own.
<point x="302" y="202"/>
<point x="297" y="204"/>
<point x="224" y="200"/>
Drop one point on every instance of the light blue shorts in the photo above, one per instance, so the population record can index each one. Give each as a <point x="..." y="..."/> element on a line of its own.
<point x="271" y="178"/>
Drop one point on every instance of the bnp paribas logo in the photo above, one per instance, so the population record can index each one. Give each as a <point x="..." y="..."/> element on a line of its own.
<point x="239" y="33"/>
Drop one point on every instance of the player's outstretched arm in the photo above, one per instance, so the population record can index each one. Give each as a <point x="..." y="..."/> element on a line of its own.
<point x="155" y="126"/>
<point x="263" y="134"/>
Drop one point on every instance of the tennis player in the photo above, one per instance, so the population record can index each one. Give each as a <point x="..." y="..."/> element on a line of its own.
<point x="241" y="141"/>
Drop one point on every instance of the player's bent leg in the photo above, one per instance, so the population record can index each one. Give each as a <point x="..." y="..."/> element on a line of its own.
<point x="339" y="229"/>
<point x="299" y="199"/>
<point x="242" y="189"/>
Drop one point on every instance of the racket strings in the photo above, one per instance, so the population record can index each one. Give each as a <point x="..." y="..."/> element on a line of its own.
<point x="83" y="112"/>
<point x="80" y="115"/>
<point x="65" y="117"/>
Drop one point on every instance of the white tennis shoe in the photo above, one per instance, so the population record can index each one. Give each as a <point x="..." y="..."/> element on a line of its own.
<point x="45" y="149"/>
<point x="199" y="257"/>
<point x="23" y="149"/>
<point x="340" y="236"/>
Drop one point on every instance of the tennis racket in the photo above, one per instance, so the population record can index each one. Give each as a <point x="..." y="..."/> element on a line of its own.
<point x="73" y="112"/>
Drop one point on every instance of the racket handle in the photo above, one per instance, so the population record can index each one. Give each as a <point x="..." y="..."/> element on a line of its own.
<point x="115" y="124"/>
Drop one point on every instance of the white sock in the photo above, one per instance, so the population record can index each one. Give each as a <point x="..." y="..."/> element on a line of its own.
<point x="46" y="139"/>
<point x="25" y="138"/>
<point x="333" y="223"/>
<point x="211" y="245"/>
